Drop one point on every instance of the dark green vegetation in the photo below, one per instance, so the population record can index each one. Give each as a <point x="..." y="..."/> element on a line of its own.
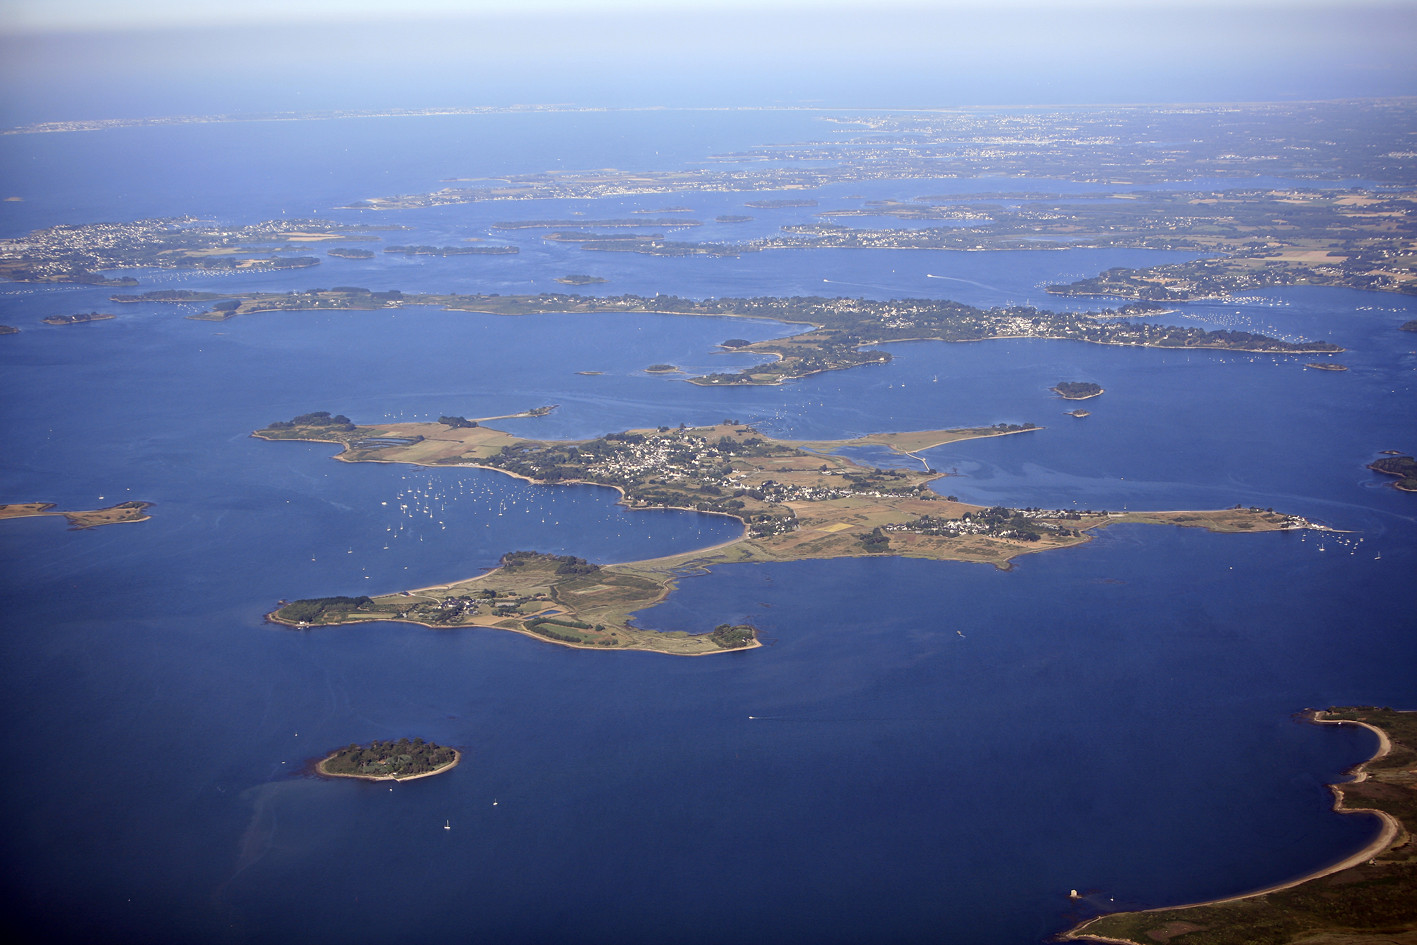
<point x="170" y="295"/>
<point x="388" y="759"/>
<point x="345" y="253"/>
<point x="661" y="369"/>
<point x="733" y="636"/>
<point x="1076" y="390"/>
<point x="876" y="541"/>
<point x="1374" y="902"/>
<point x="842" y="333"/>
<point x="1403" y="467"/>
<point x="313" y="609"/>
<point x="320" y="419"/>
<point x="458" y="422"/>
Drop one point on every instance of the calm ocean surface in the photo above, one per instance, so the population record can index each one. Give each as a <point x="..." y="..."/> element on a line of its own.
<point x="923" y="751"/>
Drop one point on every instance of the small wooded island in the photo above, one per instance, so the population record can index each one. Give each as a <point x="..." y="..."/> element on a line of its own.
<point x="1076" y="390"/>
<point x="76" y="319"/>
<point x="389" y="760"/>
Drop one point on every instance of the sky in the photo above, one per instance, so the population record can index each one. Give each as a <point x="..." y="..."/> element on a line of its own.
<point x="69" y="59"/>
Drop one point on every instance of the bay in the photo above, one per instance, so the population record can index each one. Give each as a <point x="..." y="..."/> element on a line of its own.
<point x="921" y="749"/>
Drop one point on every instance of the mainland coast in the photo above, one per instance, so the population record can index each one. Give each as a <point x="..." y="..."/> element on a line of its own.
<point x="1367" y="898"/>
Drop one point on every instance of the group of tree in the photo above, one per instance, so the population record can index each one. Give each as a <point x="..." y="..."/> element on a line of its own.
<point x="564" y="564"/>
<point x="320" y="418"/>
<point x="733" y="636"/>
<point x="457" y="422"/>
<point x="876" y="542"/>
<point x="311" y="609"/>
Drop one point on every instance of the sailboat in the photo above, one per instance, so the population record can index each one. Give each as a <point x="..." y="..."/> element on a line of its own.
<point x="447" y="825"/>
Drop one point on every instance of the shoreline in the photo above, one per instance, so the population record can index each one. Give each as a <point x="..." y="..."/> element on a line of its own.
<point x="1393" y="832"/>
<point x="321" y="772"/>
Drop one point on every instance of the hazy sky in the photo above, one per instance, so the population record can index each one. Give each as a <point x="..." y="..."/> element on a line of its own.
<point x="88" y="58"/>
<point x="48" y="15"/>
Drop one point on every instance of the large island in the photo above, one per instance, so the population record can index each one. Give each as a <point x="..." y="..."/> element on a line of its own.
<point x="840" y="333"/>
<point x="796" y="499"/>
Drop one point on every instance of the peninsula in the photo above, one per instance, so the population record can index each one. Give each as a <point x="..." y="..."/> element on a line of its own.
<point x="118" y="514"/>
<point x="1369" y="897"/>
<point x="402" y="760"/>
<point x="841" y="332"/>
<point x="796" y="499"/>
<point x="1401" y="466"/>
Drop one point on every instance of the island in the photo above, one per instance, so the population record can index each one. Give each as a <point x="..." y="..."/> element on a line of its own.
<point x="1408" y="326"/>
<point x="1326" y="366"/>
<point x="402" y="760"/>
<point x="444" y="251"/>
<point x="1401" y="466"/>
<point x="1076" y="390"/>
<point x="662" y="369"/>
<point x="841" y="333"/>
<point x="1369" y="897"/>
<point x="781" y="203"/>
<point x="580" y="278"/>
<point x="76" y="319"/>
<point x="9" y="330"/>
<point x="122" y="513"/>
<point x="605" y="224"/>
<point x="341" y="252"/>
<point x="796" y="500"/>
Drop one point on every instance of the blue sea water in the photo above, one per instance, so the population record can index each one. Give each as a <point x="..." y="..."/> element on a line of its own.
<point x="922" y="750"/>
